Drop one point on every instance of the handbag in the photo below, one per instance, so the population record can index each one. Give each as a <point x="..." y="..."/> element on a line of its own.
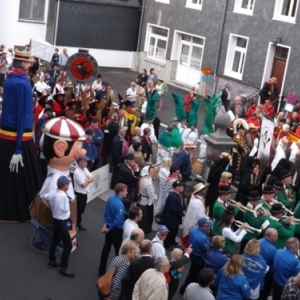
<point x="104" y="283"/>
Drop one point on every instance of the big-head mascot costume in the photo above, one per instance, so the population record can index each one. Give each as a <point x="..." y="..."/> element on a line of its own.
<point x="21" y="175"/>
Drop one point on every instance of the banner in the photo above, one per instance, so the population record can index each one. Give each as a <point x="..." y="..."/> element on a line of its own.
<point x="100" y="184"/>
<point x="266" y="137"/>
<point x="42" y="50"/>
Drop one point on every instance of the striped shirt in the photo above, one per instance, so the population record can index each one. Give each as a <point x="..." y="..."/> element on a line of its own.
<point x="122" y="264"/>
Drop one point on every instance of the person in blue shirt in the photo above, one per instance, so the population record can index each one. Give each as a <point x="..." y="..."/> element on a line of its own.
<point x="268" y="251"/>
<point x="233" y="284"/>
<point x="254" y="267"/>
<point x="285" y="266"/>
<point x="98" y="137"/>
<point x="89" y="146"/>
<point x="200" y="242"/>
<point x="114" y="218"/>
<point x="216" y="259"/>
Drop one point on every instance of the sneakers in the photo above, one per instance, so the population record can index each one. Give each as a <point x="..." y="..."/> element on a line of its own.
<point x="66" y="272"/>
<point x="80" y="227"/>
<point x="53" y="264"/>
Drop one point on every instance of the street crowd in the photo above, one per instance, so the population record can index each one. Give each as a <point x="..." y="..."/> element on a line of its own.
<point x="245" y="248"/>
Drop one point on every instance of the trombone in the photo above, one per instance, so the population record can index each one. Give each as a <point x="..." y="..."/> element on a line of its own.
<point x="287" y="211"/>
<point x="285" y="218"/>
<point x="249" y="229"/>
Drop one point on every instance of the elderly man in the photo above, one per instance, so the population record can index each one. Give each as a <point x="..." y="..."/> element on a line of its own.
<point x="237" y="108"/>
<point x="136" y="237"/>
<point x="225" y="96"/>
<point x="158" y="241"/>
<point x="268" y="88"/>
<point x="152" y="284"/>
<point x="285" y="266"/>
<point x="63" y="58"/>
<point x="291" y="290"/>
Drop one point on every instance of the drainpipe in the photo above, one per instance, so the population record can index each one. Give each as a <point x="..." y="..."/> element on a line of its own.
<point x="140" y="33"/>
<point x="219" y="47"/>
<point x="56" y="22"/>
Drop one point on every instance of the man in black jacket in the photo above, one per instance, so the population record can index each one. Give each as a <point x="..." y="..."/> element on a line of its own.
<point x="225" y="96"/>
<point x="137" y="268"/>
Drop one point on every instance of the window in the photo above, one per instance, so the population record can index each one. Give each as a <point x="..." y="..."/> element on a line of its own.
<point x="236" y="56"/>
<point x="244" y="7"/>
<point x="163" y="1"/>
<point x="156" y="42"/>
<point x="195" y="4"/>
<point x="32" y="10"/>
<point x="286" y="10"/>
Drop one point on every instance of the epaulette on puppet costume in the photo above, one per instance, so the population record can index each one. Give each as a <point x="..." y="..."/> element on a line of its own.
<point x="178" y="103"/>
<point x="210" y="113"/>
<point x="165" y="139"/>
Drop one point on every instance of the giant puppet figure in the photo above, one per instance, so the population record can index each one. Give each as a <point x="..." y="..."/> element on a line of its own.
<point x="61" y="147"/>
<point x="21" y="175"/>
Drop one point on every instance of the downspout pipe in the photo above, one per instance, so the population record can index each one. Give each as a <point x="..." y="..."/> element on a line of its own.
<point x="140" y="34"/>
<point x="56" y="22"/>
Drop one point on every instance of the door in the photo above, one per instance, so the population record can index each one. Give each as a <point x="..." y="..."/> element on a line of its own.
<point x="190" y="59"/>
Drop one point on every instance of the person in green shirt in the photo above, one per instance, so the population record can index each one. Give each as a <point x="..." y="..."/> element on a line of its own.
<point x="285" y="229"/>
<point x="287" y="196"/>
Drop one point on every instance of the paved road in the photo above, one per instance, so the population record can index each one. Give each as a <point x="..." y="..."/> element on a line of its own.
<point x="23" y="271"/>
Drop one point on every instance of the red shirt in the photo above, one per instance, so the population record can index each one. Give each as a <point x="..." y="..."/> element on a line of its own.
<point x="187" y="103"/>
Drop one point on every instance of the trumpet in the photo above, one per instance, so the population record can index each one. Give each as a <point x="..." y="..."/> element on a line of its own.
<point x="285" y="218"/>
<point x="287" y="211"/>
<point x="242" y="208"/>
<point x="249" y="229"/>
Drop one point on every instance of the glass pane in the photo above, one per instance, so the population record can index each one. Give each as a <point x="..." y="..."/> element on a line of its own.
<point x="186" y="37"/>
<point x="25" y="8"/>
<point x="196" y="58"/>
<point x="38" y="8"/>
<point x="241" y="42"/>
<point x="184" y="55"/>
<point x="281" y="52"/>
<point x="247" y="4"/>
<point x="196" y="1"/>
<point x="151" y="47"/>
<point x="160" y="31"/>
<point x="198" y="41"/>
<point x="161" y="49"/>
<point x="236" y="61"/>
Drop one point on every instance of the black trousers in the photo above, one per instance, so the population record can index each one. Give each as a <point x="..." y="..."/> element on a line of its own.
<point x="114" y="238"/>
<point x="2" y="77"/>
<point x="81" y="203"/>
<point x="147" y="220"/>
<point x="60" y="233"/>
<point x="196" y="266"/>
<point x="264" y="294"/>
<point x="171" y="237"/>
<point x="115" y="174"/>
<point x="277" y="291"/>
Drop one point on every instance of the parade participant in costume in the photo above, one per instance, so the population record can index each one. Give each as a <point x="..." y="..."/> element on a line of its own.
<point x="59" y="103"/>
<point x="180" y="113"/>
<point x="241" y="149"/>
<point x="287" y="196"/>
<point x="251" y="110"/>
<point x="214" y="176"/>
<point x="188" y="99"/>
<point x="267" y="197"/>
<point x="251" y="135"/>
<point x="269" y="109"/>
<point x="255" y="219"/>
<point x="21" y="174"/>
<point x="176" y="140"/>
<point x="195" y="211"/>
<point x="173" y="212"/>
<point x="182" y="126"/>
<point x="285" y="230"/>
<point x="183" y="160"/>
<point x="282" y="150"/>
<point x="254" y="267"/>
<point x="224" y="229"/>
<point x="165" y="145"/>
<point x="268" y="88"/>
<point x="220" y="205"/>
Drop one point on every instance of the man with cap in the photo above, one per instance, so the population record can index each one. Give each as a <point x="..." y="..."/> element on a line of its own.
<point x="195" y="211"/>
<point x="287" y="196"/>
<point x="255" y="219"/>
<point x="21" y="175"/>
<point x="59" y="97"/>
<point x="119" y="148"/>
<point x="173" y="212"/>
<point x="158" y="248"/>
<point x="268" y="88"/>
<point x="200" y="243"/>
<point x="58" y="201"/>
<point x="129" y="174"/>
<point x="82" y="179"/>
<point x="176" y="140"/>
<point x="220" y="205"/>
<point x="3" y="68"/>
<point x="183" y="160"/>
<point x="268" y="196"/>
<point x="285" y="230"/>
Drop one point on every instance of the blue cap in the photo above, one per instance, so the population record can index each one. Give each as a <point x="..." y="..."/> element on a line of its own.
<point x="205" y="222"/>
<point x="63" y="179"/>
<point x="162" y="228"/>
<point x="86" y="158"/>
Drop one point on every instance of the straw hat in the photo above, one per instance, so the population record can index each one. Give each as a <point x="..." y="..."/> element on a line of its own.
<point x="23" y="56"/>
<point x="274" y="79"/>
<point x="199" y="187"/>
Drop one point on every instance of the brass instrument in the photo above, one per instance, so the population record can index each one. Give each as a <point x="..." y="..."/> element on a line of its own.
<point x="249" y="229"/>
<point x="242" y="208"/>
<point x="286" y="210"/>
<point x="297" y="221"/>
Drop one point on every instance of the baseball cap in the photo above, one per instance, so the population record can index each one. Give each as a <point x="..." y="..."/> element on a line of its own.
<point x="86" y="158"/>
<point x="162" y="229"/>
<point x="205" y="222"/>
<point x="63" y="179"/>
<point x="177" y="183"/>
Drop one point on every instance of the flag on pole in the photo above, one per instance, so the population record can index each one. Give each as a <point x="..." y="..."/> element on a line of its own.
<point x="266" y="137"/>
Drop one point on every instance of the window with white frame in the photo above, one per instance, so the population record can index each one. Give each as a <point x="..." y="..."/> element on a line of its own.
<point x="244" y="7"/>
<point x="236" y="56"/>
<point x="156" y="42"/>
<point x="32" y="10"/>
<point x="195" y="4"/>
<point x="163" y="1"/>
<point x="286" y="10"/>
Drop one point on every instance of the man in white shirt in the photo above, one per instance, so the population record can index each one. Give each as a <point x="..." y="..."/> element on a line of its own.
<point x="97" y="84"/>
<point x="58" y="202"/>
<point x="131" y="94"/>
<point x="82" y="180"/>
<point x="158" y="248"/>
<point x="135" y="214"/>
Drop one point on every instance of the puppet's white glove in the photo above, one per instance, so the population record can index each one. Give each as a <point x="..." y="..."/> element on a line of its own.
<point x="14" y="163"/>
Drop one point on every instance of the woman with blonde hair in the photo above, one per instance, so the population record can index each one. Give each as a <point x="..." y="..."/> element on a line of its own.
<point x="233" y="284"/>
<point x="226" y="177"/>
<point x="254" y="267"/>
